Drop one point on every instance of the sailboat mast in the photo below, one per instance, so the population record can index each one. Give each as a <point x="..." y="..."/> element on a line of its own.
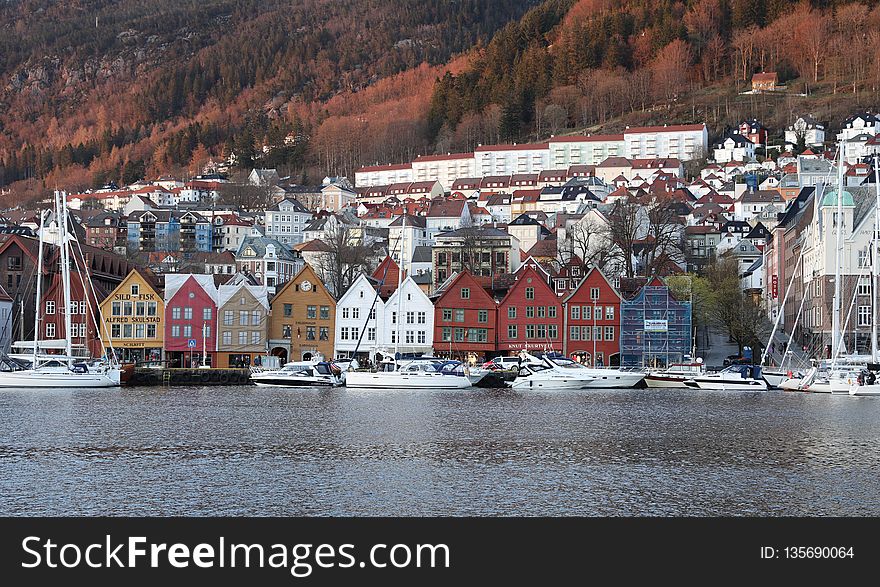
<point x="835" y="317"/>
<point x="399" y="281"/>
<point x="65" y="275"/>
<point x="875" y="249"/>
<point x="39" y="274"/>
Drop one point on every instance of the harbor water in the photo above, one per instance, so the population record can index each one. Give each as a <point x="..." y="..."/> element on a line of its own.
<point x="265" y="451"/>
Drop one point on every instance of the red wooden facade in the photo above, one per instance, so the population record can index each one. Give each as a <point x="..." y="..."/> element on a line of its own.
<point x="188" y="313"/>
<point x="592" y="321"/>
<point x="82" y="312"/>
<point x="530" y="315"/>
<point x="465" y="318"/>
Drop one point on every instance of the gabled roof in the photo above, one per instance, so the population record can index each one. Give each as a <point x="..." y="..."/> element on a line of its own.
<point x="259" y="292"/>
<point x="584" y="280"/>
<point x="174" y="281"/>
<point x="463" y="279"/>
<point x="446" y="208"/>
<point x="422" y="254"/>
<point x="415" y="221"/>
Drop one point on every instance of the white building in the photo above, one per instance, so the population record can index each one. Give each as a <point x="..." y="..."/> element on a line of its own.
<point x="5" y="320"/>
<point x="444" y="216"/>
<point x="416" y="326"/>
<point x="511" y="159"/>
<point x="415" y="234"/>
<point x="857" y="124"/>
<point x="584" y="150"/>
<point x="685" y="142"/>
<point x="268" y="260"/>
<point x="444" y="168"/>
<point x="383" y="175"/>
<point x="286" y="220"/>
<point x="359" y="312"/>
<point x="734" y="147"/>
<point x="807" y="127"/>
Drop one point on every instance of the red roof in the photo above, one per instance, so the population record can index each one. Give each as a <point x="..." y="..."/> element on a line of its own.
<point x="673" y="128"/>
<point x="446" y="208"/>
<point x="386" y="167"/>
<point x="524" y="147"/>
<point x="585" y="138"/>
<point x="446" y="157"/>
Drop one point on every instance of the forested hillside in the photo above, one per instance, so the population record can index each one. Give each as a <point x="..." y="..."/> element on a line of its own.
<point x="98" y="90"/>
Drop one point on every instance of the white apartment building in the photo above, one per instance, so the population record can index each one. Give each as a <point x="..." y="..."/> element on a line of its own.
<point x="444" y="168"/>
<point x="584" y="150"/>
<point x="286" y="220"/>
<point x="684" y="141"/>
<point x="511" y="159"/>
<point x="383" y="175"/>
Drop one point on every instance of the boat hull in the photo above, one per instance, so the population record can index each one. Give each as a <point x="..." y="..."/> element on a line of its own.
<point x="65" y="380"/>
<point x="722" y="385"/>
<point x="613" y="380"/>
<point x="658" y="381"/>
<point x="397" y="380"/>
<point x="865" y="390"/>
<point x="560" y="383"/>
<point x="291" y="382"/>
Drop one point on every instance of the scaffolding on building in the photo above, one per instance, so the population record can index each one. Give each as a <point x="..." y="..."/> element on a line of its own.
<point x="655" y="328"/>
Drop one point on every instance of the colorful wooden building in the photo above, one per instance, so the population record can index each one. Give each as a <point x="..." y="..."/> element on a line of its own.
<point x="530" y="315"/>
<point x="243" y="320"/>
<point x="592" y="321"/>
<point x="190" y="320"/>
<point x="465" y="318"/>
<point x="302" y="319"/>
<point x="133" y="318"/>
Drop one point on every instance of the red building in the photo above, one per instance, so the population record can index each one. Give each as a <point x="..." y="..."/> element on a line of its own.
<point x="465" y="318"/>
<point x="530" y="315"/>
<point x="592" y="321"/>
<point x="190" y="319"/>
<point x="85" y="337"/>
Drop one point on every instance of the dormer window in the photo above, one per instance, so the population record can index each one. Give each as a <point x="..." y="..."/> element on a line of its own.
<point x="135" y="289"/>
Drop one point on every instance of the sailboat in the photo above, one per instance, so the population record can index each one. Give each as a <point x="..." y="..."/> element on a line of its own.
<point x="60" y="370"/>
<point x="420" y="373"/>
<point x="866" y="382"/>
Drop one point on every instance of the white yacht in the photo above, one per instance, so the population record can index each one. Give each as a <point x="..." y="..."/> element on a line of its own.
<point x="303" y="374"/>
<point x="675" y="375"/>
<point x="425" y="373"/>
<point x="732" y="378"/>
<point x="599" y="377"/>
<point x="544" y="376"/>
<point x="46" y="370"/>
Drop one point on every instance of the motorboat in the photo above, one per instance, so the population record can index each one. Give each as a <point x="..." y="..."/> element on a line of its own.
<point x="675" y="375"/>
<point x="866" y="384"/>
<point x="420" y="373"/>
<point x="600" y="377"/>
<point x="732" y="378"/>
<point x="544" y="376"/>
<point x="303" y="374"/>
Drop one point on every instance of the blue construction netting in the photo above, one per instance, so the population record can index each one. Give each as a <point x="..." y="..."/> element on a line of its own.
<point x="655" y="329"/>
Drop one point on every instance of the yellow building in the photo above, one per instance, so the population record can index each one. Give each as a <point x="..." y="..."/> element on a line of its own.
<point x="133" y="317"/>
<point x="302" y="319"/>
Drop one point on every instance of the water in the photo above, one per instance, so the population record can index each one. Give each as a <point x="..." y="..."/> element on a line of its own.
<point x="266" y="451"/>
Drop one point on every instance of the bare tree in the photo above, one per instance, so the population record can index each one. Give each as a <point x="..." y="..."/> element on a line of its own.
<point x="344" y="260"/>
<point x="624" y="228"/>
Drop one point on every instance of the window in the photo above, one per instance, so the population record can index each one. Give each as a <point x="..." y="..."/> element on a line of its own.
<point x="325" y="313"/>
<point x="530" y="311"/>
<point x="135" y="289"/>
<point x="355" y="313"/>
<point x="152" y="308"/>
<point x="187" y="313"/>
<point x="410" y="337"/>
<point x="256" y="317"/>
<point x="288" y="310"/>
<point x="459" y="315"/>
<point x="483" y="316"/>
<point x="410" y="317"/>
<point x="243" y="316"/>
<point x="818" y="287"/>
<point x="551" y="311"/>
<point x="422" y="337"/>
<point x="345" y="313"/>
<point x="310" y="333"/>
<point x="394" y="317"/>
<point x="863" y="258"/>
<point x="575" y="312"/>
<point x="50" y="306"/>
<point x="228" y="317"/>
<point x="552" y="331"/>
<point x="530" y="331"/>
<point x="441" y="258"/>
<point x="343" y="333"/>
<point x="324" y="333"/>
<point x="864" y="315"/>
<point x="542" y="331"/>
<point x="139" y="330"/>
<point x="116" y="308"/>
<point x="423" y="318"/>
<point x="609" y="333"/>
<point x="126" y="308"/>
<point x="594" y="293"/>
<point x="609" y="312"/>
<point x="447" y="315"/>
<point x="574" y="332"/>
<point x="465" y="293"/>
<point x="175" y="331"/>
<point x="151" y="331"/>
<point x="530" y="293"/>
<point x="864" y="288"/>
<point x="285" y="331"/>
<point x="541" y="311"/>
<point x="116" y="330"/>
<point x="242" y="338"/>
<point x="597" y="333"/>
<point x="597" y="312"/>
<point x="187" y="331"/>
<point x="459" y="335"/>
<point x="585" y="332"/>
<point x="50" y="330"/>
<point x="227" y="337"/>
<point x="175" y="313"/>
<point x="511" y="312"/>
<point x="446" y="334"/>
<point x="82" y="308"/>
<point x="371" y="333"/>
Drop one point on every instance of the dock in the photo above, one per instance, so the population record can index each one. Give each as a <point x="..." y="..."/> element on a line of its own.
<point x="168" y="376"/>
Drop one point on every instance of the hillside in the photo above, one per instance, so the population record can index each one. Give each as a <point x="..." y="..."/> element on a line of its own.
<point x="109" y="89"/>
<point x="92" y="90"/>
